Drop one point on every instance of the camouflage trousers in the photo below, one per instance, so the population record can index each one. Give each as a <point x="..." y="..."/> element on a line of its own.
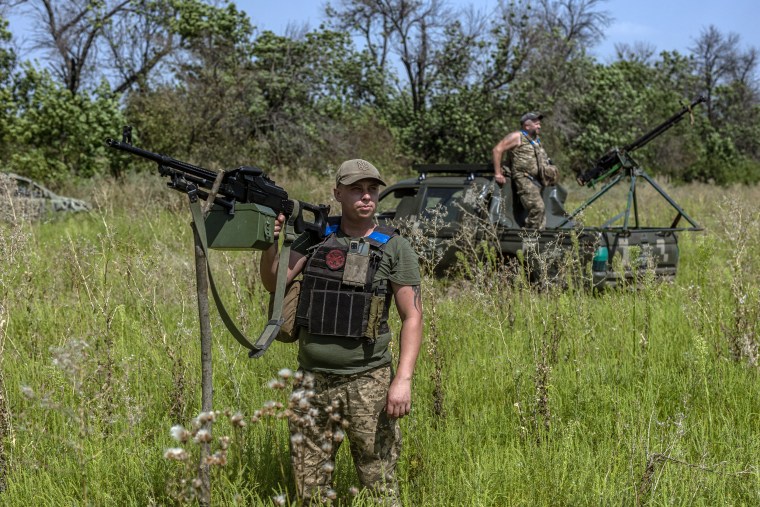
<point x="352" y="406"/>
<point x="531" y="199"/>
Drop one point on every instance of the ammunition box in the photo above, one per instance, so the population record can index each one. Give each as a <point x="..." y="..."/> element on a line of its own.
<point x="251" y="227"/>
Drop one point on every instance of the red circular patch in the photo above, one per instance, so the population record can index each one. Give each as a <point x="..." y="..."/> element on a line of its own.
<point x="335" y="259"/>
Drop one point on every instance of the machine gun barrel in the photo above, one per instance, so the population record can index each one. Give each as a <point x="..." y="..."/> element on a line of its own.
<point x="613" y="160"/>
<point x="662" y="127"/>
<point x="163" y="160"/>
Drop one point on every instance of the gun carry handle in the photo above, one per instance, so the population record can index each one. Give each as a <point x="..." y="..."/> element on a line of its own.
<point x="319" y="223"/>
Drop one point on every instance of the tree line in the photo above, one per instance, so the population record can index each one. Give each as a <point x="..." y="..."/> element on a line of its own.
<point x="394" y="81"/>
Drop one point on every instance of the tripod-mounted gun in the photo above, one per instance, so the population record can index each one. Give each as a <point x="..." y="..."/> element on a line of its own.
<point x="618" y="163"/>
<point x="618" y="159"/>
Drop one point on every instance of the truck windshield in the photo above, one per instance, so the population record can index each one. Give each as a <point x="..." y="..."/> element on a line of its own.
<point x="400" y="202"/>
<point x="446" y="200"/>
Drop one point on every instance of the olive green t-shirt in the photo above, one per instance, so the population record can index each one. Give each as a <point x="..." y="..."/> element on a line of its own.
<point x="346" y="356"/>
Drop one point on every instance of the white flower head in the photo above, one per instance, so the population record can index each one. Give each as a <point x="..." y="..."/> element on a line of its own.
<point x="176" y="453"/>
<point x="203" y="436"/>
<point x="179" y="433"/>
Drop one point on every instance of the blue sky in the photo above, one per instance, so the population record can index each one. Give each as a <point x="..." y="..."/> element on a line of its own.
<point x="665" y="24"/>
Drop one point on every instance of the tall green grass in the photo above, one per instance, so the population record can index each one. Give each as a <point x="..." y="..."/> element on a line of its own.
<point x="521" y="397"/>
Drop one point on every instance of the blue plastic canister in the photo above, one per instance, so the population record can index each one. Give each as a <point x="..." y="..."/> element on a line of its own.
<point x="601" y="256"/>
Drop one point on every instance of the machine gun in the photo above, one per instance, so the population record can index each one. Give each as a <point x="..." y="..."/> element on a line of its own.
<point x="617" y="159"/>
<point x="246" y="204"/>
<point x="242" y="185"/>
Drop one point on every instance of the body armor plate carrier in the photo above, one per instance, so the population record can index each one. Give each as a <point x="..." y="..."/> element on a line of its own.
<point x="337" y="298"/>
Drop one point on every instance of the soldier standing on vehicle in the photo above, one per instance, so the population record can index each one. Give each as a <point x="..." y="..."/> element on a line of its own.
<point x="349" y="280"/>
<point x="530" y="167"/>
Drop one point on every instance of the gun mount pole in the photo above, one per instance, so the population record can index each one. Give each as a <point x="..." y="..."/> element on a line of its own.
<point x="201" y="281"/>
<point x="681" y="213"/>
<point x="631" y="203"/>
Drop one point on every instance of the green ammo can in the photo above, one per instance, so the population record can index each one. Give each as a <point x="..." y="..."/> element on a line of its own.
<point x="250" y="228"/>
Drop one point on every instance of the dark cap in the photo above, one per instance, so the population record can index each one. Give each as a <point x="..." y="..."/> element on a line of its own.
<point x="533" y="116"/>
<point x="357" y="169"/>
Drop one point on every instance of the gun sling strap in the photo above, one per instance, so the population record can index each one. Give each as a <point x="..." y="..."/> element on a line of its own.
<point x="273" y="326"/>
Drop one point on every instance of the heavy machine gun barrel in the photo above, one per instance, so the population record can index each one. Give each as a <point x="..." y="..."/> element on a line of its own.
<point x="244" y="184"/>
<point x="615" y="159"/>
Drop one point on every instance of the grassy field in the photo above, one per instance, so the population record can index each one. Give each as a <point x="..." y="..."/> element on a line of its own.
<point x="522" y="397"/>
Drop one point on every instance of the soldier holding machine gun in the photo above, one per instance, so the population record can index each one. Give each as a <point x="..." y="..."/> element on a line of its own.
<point x="349" y="279"/>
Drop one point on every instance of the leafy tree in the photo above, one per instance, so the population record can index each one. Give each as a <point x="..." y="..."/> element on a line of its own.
<point x="7" y="65"/>
<point x="276" y="100"/>
<point x="622" y="101"/>
<point x="46" y="131"/>
<point x="716" y="56"/>
<point x="121" y="39"/>
<point x="56" y="134"/>
<point x="727" y="76"/>
<point x="58" y="125"/>
<point x="197" y="107"/>
<point x="410" y="30"/>
<point x="466" y="77"/>
<point x="314" y="90"/>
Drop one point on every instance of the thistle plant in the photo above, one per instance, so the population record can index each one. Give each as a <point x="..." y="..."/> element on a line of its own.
<point x="742" y="233"/>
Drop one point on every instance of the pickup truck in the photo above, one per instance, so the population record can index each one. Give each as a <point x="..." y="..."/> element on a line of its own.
<point x="456" y="193"/>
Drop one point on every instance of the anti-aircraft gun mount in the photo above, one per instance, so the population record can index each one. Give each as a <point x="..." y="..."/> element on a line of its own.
<point x="450" y="192"/>
<point x="619" y="165"/>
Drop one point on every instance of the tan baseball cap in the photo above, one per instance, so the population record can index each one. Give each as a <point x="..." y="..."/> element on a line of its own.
<point x="357" y="169"/>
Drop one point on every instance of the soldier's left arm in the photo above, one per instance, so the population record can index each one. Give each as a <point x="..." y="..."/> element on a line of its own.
<point x="409" y="304"/>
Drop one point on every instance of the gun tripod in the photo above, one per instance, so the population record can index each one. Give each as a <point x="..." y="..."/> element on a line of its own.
<point x="631" y="172"/>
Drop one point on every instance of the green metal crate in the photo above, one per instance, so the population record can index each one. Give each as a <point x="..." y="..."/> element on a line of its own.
<point x="250" y="228"/>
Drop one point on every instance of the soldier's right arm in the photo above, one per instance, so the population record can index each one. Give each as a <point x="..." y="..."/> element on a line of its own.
<point x="510" y="141"/>
<point x="270" y="260"/>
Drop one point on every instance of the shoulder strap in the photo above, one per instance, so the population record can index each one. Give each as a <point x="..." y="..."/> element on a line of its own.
<point x="531" y="141"/>
<point x="332" y="227"/>
<point x="274" y="324"/>
<point x="379" y="237"/>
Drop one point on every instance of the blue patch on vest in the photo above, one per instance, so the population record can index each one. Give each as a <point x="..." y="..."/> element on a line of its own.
<point x="377" y="236"/>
